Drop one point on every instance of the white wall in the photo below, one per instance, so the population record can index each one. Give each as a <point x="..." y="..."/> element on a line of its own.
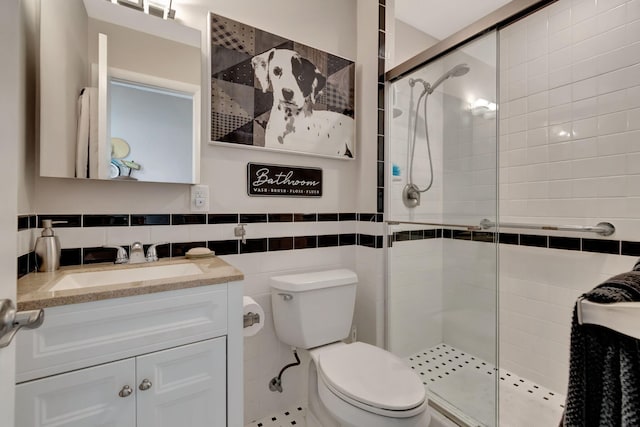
<point x="408" y="42"/>
<point x="569" y="154"/>
<point x="349" y="186"/>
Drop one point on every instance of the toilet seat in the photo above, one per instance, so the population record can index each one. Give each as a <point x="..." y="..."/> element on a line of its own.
<point x="372" y="379"/>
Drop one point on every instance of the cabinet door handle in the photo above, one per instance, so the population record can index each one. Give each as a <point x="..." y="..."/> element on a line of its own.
<point x="145" y="385"/>
<point x="126" y="391"/>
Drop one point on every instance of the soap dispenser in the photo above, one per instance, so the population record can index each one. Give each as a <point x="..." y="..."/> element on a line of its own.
<point x="47" y="248"/>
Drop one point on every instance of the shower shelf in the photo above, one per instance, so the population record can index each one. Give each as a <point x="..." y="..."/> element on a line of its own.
<point x="623" y="317"/>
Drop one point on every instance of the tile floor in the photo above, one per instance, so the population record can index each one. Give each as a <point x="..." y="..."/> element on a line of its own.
<point x="465" y="385"/>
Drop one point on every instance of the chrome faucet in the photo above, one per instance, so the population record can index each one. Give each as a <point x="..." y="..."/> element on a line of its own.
<point x="137" y="253"/>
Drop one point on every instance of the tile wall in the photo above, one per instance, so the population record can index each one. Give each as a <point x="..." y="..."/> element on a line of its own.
<point x="569" y="154"/>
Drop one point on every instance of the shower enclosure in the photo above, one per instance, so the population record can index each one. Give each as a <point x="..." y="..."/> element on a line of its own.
<point x="534" y="122"/>
<point x="442" y="267"/>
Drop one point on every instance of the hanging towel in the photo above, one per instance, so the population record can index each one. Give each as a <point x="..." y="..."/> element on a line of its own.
<point x="604" y="372"/>
<point x="87" y="135"/>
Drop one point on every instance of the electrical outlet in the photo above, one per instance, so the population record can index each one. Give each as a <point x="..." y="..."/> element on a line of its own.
<point x="199" y="198"/>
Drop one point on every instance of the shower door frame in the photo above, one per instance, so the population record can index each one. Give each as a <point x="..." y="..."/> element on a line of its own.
<point x="495" y="21"/>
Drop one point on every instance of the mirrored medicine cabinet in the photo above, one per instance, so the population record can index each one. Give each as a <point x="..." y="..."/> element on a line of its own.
<point x="119" y="94"/>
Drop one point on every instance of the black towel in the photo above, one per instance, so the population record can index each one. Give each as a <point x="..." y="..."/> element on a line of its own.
<point x="604" y="374"/>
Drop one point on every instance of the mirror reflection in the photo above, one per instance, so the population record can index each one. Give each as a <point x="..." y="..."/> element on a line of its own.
<point x="120" y="94"/>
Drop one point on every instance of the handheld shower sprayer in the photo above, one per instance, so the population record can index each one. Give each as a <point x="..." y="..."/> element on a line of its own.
<point x="411" y="192"/>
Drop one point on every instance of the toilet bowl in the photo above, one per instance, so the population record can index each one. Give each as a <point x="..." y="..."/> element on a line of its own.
<point x="350" y="385"/>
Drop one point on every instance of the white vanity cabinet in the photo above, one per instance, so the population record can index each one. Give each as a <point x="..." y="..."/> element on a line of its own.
<point x="162" y="359"/>
<point x="182" y="386"/>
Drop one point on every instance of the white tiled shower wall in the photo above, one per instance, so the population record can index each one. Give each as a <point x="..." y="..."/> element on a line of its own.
<point x="569" y="154"/>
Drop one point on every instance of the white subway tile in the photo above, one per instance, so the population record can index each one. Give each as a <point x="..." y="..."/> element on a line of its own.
<point x="584" y="188"/>
<point x="517" y="140"/>
<point x="612" y="18"/>
<point x="538" y="83"/>
<point x="537" y="119"/>
<point x="584" y="89"/>
<point x="127" y="235"/>
<point x="582" y="9"/>
<point x="560" y="114"/>
<point x="616" y="143"/>
<point x="537" y="101"/>
<point x="560" y="59"/>
<point x="560" y="151"/>
<point x="632" y="185"/>
<point x="560" y="189"/>
<point x="585" y="148"/>
<point x="584" y="69"/>
<point x="612" y="123"/>
<point x="585" y="108"/>
<point x="87" y="237"/>
<point x="633" y="163"/>
<point x="604" y="5"/>
<point x="634" y="119"/>
<point x="560" y="40"/>
<point x="560" y="133"/>
<point x="612" y="102"/>
<point x="560" y="76"/>
<point x="168" y="233"/>
<point x="585" y="128"/>
<point x="538" y="47"/>
<point x="633" y="10"/>
<point x="559" y="21"/>
<point x="614" y="186"/>
<point x="539" y="136"/>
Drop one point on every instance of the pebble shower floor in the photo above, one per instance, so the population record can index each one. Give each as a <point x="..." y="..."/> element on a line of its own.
<point x="455" y="379"/>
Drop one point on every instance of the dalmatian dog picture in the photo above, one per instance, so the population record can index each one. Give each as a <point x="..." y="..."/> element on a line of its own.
<point x="270" y="92"/>
<point x="294" y="124"/>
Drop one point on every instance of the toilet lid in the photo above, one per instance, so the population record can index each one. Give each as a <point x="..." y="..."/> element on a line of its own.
<point x="372" y="376"/>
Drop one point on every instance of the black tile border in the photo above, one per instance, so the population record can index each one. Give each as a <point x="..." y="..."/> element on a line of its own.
<point x="380" y="163"/>
<point x="150" y="219"/>
<point x="90" y="255"/>
<point x="576" y="244"/>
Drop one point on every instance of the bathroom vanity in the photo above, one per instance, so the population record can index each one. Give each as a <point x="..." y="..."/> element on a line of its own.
<point x="147" y="353"/>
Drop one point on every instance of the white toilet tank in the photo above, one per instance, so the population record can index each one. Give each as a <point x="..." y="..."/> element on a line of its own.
<point x="313" y="309"/>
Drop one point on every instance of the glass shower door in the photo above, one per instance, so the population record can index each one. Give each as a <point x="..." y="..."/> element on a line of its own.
<point x="442" y="266"/>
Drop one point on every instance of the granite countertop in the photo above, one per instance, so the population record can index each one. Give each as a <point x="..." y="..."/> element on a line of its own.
<point x="34" y="288"/>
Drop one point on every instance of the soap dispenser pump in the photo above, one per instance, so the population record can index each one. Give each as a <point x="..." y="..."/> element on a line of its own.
<point x="47" y="248"/>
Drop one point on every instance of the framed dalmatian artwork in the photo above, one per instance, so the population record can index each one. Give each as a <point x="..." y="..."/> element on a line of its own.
<point x="268" y="92"/>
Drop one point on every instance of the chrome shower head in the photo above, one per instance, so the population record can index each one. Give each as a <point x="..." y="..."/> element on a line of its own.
<point x="457" y="71"/>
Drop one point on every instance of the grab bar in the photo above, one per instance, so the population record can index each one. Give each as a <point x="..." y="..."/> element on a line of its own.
<point x="435" y="224"/>
<point x="602" y="228"/>
<point x="623" y="317"/>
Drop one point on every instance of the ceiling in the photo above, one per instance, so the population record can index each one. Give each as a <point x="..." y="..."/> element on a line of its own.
<point x="441" y="18"/>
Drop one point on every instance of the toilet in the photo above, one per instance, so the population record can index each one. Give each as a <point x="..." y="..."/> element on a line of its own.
<point x="350" y="385"/>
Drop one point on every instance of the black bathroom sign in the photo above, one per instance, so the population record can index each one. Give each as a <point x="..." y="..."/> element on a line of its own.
<point x="284" y="181"/>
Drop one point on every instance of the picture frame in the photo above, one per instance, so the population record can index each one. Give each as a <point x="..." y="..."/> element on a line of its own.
<point x="268" y="92"/>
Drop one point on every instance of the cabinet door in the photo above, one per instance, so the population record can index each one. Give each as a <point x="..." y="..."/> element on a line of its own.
<point x="185" y="386"/>
<point x="85" y="398"/>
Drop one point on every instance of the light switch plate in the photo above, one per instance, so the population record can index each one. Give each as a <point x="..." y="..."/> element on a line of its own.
<point x="199" y="198"/>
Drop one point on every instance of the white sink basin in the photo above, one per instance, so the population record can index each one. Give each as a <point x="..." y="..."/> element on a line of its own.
<point x="124" y="275"/>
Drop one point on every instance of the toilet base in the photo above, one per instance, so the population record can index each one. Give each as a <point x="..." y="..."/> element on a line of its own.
<point x="343" y="414"/>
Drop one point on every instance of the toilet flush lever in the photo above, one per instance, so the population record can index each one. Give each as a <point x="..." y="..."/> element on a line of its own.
<point x="286" y="297"/>
<point x="240" y="231"/>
